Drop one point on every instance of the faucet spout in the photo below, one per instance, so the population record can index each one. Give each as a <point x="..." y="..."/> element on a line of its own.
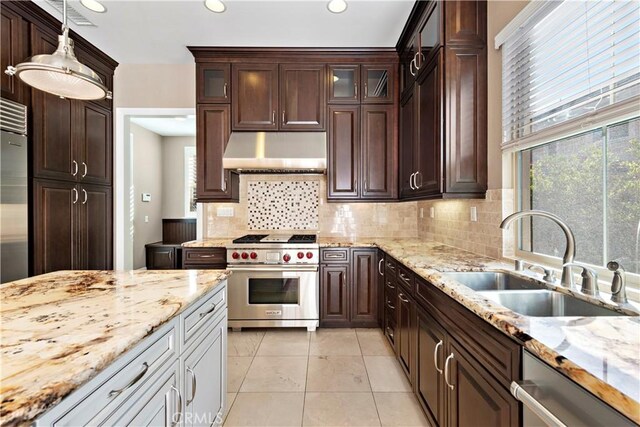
<point x="570" y="251"/>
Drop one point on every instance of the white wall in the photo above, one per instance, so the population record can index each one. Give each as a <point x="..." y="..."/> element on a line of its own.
<point x="173" y="175"/>
<point x="147" y="178"/>
<point x="155" y="86"/>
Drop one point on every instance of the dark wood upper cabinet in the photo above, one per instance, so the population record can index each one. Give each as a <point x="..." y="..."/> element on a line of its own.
<point x="466" y="22"/>
<point x="344" y="83"/>
<point x="56" y="245"/>
<point x="379" y="158"/>
<point x="466" y="120"/>
<point x="95" y="225"/>
<point x="104" y="71"/>
<point x="476" y="397"/>
<point x="302" y="96"/>
<point x="407" y="143"/>
<point x="213" y="181"/>
<point x="343" y="152"/>
<point x="13" y="38"/>
<point x="430" y="348"/>
<point x="255" y="96"/>
<point x="378" y="83"/>
<point x="94" y="146"/>
<point x="364" y="288"/>
<point x="334" y="295"/>
<point x="213" y="82"/>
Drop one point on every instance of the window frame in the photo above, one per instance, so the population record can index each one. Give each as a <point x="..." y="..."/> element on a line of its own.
<point x="189" y="150"/>
<point x="613" y="115"/>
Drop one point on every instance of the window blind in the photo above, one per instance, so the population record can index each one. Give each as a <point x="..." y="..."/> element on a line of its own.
<point x="568" y="60"/>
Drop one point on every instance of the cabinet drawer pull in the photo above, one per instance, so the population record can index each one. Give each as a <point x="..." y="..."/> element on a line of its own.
<point x="355" y="90"/>
<point x="333" y="256"/>
<point x="204" y="256"/>
<point x="390" y="332"/>
<point x="380" y="267"/>
<point x="415" y="180"/>
<point x="283" y="121"/>
<point x="75" y="195"/>
<point x="224" y="90"/>
<point x="401" y="296"/>
<point x="86" y="169"/>
<point x="446" y="370"/>
<point x="75" y="168"/>
<point x="366" y="90"/>
<point x="86" y="197"/>
<point x="224" y="185"/>
<point x="170" y="255"/>
<point x="391" y="266"/>
<point x="411" y="181"/>
<point x="194" y="384"/>
<point x="405" y="278"/>
<point x="273" y="117"/>
<point x="435" y="357"/>
<point x="392" y="307"/>
<point x="145" y="368"/>
<point x="411" y="65"/>
<point x="390" y="286"/>
<point x="174" y="420"/>
<point x="213" y="307"/>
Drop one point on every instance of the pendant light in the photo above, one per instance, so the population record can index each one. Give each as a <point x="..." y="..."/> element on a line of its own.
<point x="60" y="73"/>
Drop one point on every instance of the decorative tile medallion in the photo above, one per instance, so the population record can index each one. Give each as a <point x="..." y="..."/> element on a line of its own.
<point x="283" y="205"/>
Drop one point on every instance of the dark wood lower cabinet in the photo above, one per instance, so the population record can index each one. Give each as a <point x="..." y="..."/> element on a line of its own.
<point x="160" y="256"/>
<point x="204" y="258"/>
<point x="349" y="288"/>
<point x="406" y="333"/>
<point x="430" y="386"/>
<point x="73" y="227"/>
<point x="475" y="398"/>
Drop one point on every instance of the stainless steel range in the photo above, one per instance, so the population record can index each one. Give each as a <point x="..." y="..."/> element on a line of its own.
<point x="275" y="281"/>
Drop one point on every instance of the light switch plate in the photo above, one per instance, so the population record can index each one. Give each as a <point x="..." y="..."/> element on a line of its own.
<point x="474" y="214"/>
<point x="146" y="218"/>
<point x="146" y="197"/>
<point x="224" y="211"/>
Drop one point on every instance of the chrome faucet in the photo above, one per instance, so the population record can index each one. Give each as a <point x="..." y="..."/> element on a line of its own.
<point x="570" y="251"/>
<point x="618" y="284"/>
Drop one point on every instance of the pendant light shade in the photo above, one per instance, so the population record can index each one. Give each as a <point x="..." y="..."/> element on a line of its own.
<point x="60" y="73"/>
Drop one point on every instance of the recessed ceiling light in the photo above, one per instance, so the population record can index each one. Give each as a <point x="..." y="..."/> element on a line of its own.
<point x="215" y="6"/>
<point x="94" y="5"/>
<point x="337" y="6"/>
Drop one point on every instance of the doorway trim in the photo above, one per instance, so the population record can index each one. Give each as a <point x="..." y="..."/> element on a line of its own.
<point x="123" y="242"/>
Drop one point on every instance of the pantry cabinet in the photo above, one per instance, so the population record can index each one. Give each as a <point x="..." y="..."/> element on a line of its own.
<point x="14" y="41"/>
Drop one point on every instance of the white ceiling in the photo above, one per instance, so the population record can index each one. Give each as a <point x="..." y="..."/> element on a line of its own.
<point x="168" y="126"/>
<point x="158" y="31"/>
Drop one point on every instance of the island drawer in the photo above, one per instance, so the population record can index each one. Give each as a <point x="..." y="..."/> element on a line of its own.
<point x="334" y="255"/>
<point x="194" y="318"/>
<point x="391" y="267"/>
<point x="125" y="377"/>
<point x="405" y="279"/>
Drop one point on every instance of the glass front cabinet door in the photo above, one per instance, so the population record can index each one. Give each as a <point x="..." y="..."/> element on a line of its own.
<point x="214" y="83"/>
<point x="344" y="82"/>
<point x="378" y="83"/>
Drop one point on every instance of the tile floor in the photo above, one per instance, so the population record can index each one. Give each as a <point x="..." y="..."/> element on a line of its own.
<point x="332" y="377"/>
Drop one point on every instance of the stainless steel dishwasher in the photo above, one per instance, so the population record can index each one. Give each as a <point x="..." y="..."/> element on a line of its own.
<point x="551" y="399"/>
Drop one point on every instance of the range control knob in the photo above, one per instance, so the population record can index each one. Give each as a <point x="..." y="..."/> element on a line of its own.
<point x="253" y="255"/>
<point x="300" y="255"/>
<point x="245" y="255"/>
<point x="235" y="255"/>
<point x="309" y="255"/>
<point x="286" y="257"/>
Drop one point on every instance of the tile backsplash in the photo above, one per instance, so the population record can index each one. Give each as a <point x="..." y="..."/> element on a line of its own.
<point x="283" y="205"/>
<point x="333" y="219"/>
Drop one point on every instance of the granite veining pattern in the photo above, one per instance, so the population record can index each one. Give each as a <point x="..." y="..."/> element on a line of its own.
<point x="600" y="353"/>
<point x="59" y="330"/>
<point x="210" y="242"/>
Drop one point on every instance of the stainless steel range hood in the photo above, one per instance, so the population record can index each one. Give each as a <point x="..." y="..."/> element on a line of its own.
<point x="276" y="152"/>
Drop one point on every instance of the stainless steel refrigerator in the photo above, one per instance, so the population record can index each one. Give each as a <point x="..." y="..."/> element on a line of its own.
<point x="14" y="205"/>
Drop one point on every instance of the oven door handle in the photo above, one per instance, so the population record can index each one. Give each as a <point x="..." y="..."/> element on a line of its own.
<point x="302" y="268"/>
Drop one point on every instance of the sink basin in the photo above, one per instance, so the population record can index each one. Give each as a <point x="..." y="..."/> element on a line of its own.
<point x="546" y="303"/>
<point x="494" y="281"/>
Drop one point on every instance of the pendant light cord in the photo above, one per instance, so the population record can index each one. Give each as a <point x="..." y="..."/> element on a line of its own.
<point x="65" y="27"/>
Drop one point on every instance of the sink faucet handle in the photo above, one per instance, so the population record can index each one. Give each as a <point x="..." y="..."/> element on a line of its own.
<point x="589" y="279"/>
<point x="618" y="284"/>
<point x="549" y="275"/>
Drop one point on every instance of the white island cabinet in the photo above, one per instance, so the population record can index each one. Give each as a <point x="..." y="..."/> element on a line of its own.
<point x="174" y="377"/>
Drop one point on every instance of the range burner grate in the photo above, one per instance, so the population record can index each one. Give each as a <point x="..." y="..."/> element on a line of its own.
<point x="250" y="238"/>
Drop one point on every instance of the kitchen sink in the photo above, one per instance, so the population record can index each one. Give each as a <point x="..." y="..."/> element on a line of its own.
<point x="546" y="303"/>
<point x="494" y="281"/>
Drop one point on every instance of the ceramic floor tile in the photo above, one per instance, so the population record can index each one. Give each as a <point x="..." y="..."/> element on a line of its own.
<point x="373" y="342"/>
<point x="276" y="374"/>
<point x="230" y="398"/>
<point x="334" y="342"/>
<point x="243" y="343"/>
<point x="399" y="409"/>
<point x="237" y="368"/>
<point x="340" y="409"/>
<point x="385" y="374"/>
<point x="266" y="409"/>
<point x="285" y="343"/>
<point x="337" y="373"/>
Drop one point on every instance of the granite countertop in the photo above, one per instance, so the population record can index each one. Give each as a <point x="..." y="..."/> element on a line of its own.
<point x="219" y="242"/>
<point x="59" y="330"/>
<point x="600" y="353"/>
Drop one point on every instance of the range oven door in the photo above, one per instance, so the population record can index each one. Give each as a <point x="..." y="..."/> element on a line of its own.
<point x="273" y="293"/>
